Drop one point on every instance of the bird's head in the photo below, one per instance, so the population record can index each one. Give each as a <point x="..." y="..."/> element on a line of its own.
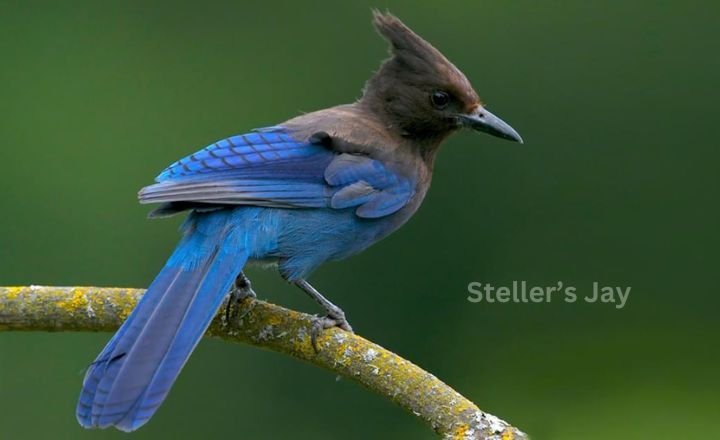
<point x="421" y="93"/>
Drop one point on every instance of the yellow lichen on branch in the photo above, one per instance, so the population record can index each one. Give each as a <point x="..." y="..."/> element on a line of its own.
<point x="452" y="416"/>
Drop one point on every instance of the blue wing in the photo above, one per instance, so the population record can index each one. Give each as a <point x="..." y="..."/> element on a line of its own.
<point x="270" y="168"/>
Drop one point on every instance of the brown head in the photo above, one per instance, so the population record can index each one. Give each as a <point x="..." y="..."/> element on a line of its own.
<point x="422" y="94"/>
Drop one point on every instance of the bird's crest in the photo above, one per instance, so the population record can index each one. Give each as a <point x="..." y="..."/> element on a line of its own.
<point x="413" y="54"/>
<point x="405" y="44"/>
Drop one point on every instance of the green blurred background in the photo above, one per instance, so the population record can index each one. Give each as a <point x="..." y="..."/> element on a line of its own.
<point x="617" y="183"/>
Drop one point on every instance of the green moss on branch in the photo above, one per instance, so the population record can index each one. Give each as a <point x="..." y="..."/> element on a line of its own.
<point x="254" y="322"/>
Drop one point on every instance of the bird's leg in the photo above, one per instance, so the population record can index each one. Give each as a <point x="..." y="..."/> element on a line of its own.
<point x="335" y="316"/>
<point x="334" y="313"/>
<point x="241" y="290"/>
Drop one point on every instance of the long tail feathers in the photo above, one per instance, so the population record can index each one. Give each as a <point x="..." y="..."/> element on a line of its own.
<point x="133" y="374"/>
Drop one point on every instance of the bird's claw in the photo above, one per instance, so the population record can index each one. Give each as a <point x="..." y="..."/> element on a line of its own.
<point x="329" y="321"/>
<point x="241" y="291"/>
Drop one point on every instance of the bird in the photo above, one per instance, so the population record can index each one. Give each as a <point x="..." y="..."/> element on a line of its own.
<point x="319" y="187"/>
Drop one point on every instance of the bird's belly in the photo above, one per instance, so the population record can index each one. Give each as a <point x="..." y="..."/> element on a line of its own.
<point x="310" y="237"/>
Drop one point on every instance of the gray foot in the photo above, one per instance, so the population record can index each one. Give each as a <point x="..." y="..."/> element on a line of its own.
<point x="241" y="290"/>
<point x="335" y="316"/>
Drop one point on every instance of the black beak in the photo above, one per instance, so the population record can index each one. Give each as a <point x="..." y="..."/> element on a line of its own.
<point x="483" y="120"/>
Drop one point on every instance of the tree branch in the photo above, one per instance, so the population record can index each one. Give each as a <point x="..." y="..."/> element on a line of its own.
<point x="254" y="322"/>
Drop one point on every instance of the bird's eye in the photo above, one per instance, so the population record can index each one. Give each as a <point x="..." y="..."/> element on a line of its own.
<point x="440" y="99"/>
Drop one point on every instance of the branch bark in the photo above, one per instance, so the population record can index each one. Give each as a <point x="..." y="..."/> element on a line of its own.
<point x="258" y="323"/>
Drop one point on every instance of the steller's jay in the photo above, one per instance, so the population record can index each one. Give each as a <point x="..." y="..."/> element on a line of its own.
<point x="322" y="186"/>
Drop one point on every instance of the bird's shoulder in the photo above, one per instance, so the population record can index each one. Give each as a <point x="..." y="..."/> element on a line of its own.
<point x="353" y="130"/>
<point x="348" y="123"/>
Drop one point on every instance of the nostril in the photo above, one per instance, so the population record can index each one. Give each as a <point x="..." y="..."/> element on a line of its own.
<point x="481" y="115"/>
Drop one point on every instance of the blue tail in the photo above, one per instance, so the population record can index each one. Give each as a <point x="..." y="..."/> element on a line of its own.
<point x="133" y="374"/>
